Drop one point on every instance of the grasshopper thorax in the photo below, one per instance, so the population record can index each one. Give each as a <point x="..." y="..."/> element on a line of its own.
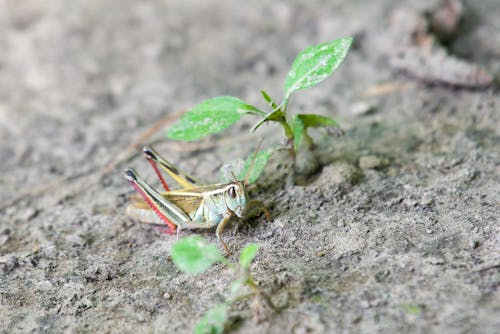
<point x="236" y="198"/>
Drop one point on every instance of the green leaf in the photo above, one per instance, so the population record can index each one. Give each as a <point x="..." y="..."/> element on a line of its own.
<point x="301" y="122"/>
<point x="193" y="255"/>
<point x="237" y="284"/>
<point x="413" y="309"/>
<point x="261" y="160"/>
<point x="314" y="64"/>
<point x="213" y="321"/>
<point x="316" y="121"/>
<point x="247" y="255"/>
<point x="269" y="100"/>
<point x="211" y="116"/>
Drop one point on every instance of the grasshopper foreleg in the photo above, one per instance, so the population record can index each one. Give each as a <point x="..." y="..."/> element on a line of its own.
<point x="257" y="205"/>
<point x="220" y="228"/>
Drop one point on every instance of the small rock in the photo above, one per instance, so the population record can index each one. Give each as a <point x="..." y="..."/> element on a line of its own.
<point x="365" y="304"/>
<point x="338" y="175"/>
<point x="75" y="240"/>
<point x="167" y="296"/>
<point x="436" y="260"/>
<point x="370" y="162"/>
<point x="474" y="244"/>
<point x="29" y="214"/>
<point x="10" y="264"/>
<point x="362" y="108"/>
<point x="85" y="303"/>
<point x="445" y="19"/>
<point x="4" y="239"/>
<point x="100" y="273"/>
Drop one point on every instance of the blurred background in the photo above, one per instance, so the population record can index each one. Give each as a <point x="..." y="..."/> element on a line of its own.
<point x="85" y="83"/>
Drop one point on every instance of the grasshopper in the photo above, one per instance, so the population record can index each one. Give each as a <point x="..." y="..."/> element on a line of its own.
<point x="195" y="206"/>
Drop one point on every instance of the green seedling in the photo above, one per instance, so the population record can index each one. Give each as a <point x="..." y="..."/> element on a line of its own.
<point x="193" y="255"/>
<point x="311" y="66"/>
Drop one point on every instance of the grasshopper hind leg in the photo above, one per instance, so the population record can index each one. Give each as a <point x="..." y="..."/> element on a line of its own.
<point x="165" y="211"/>
<point x="184" y="179"/>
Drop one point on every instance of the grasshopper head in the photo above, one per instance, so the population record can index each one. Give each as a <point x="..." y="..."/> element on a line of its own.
<point x="235" y="194"/>
<point x="236" y="197"/>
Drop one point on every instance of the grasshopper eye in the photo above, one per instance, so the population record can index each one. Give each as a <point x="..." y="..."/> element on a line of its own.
<point x="232" y="192"/>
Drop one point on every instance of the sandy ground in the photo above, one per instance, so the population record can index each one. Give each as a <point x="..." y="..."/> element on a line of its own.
<point x="399" y="232"/>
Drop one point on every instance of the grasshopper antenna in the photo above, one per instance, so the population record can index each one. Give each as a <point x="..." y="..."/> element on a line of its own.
<point x="245" y="181"/>
<point x="234" y="176"/>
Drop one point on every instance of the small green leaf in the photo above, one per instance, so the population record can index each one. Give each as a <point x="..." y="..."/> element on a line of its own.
<point x="413" y="309"/>
<point x="316" y="121"/>
<point x="301" y="122"/>
<point x="193" y="255"/>
<point x="276" y="115"/>
<point x="298" y="131"/>
<point x="247" y="255"/>
<point x="237" y="284"/>
<point x="314" y="64"/>
<point x="269" y="100"/>
<point x="211" y="116"/>
<point x="261" y="160"/>
<point x="213" y="321"/>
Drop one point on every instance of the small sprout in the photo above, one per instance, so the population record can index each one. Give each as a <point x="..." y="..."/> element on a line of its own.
<point x="247" y="255"/>
<point x="193" y="255"/>
<point x="413" y="309"/>
<point x="213" y="321"/>
<point x="311" y="66"/>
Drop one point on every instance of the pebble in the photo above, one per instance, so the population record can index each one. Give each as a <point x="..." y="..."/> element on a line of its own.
<point x="10" y="264"/>
<point x="29" y="214"/>
<point x="370" y="162"/>
<point x="362" y="108"/>
<point x="473" y="244"/>
<point x="338" y="174"/>
<point x="4" y="239"/>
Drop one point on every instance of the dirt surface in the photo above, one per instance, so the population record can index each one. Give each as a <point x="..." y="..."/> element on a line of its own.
<point x="399" y="232"/>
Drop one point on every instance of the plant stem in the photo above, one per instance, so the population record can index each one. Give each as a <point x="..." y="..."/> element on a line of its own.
<point x="287" y="129"/>
<point x="283" y="121"/>
<point x="289" y="135"/>
<point x="228" y="263"/>
<point x="251" y="283"/>
<point x="240" y="298"/>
